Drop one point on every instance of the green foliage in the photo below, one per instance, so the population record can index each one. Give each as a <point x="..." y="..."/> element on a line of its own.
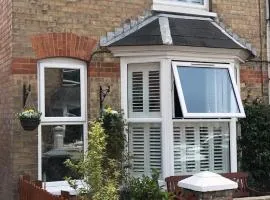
<point x="99" y="183"/>
<point x="113" y="125"/>
<point x="147" y="188"/>
<point x="254" y="144"/>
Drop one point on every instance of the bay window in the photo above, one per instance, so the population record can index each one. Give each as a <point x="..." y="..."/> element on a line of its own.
<point x="207" y="97"/>
<point x="62" y="101"/>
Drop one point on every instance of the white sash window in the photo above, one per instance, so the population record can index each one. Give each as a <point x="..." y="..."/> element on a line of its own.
<point x="207" y="90"/>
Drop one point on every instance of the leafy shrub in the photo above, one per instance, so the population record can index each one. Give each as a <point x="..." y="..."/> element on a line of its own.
<point x="145" y="188"/>
<point x="254" y="145"/>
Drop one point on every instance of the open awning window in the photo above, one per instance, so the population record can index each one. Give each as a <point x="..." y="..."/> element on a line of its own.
<point x="207" y="90"/>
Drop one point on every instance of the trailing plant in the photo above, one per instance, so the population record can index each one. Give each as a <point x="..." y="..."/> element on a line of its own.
<point x="98" y="183"/>
<point x="254" y="144"/>
<point x="114" y="125"/>
<point x="29" y="113"/>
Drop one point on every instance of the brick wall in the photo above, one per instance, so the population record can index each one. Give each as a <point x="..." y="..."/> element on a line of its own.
<point x="6" y="114"/>
<point x="56" y="28"/>
<point x="247" y="19"/>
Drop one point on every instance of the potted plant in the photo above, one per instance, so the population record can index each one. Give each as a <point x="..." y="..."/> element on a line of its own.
<point x="29" y="118"/>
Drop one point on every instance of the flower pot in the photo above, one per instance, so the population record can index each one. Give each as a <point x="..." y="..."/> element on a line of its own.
<point x="30" y="124"/>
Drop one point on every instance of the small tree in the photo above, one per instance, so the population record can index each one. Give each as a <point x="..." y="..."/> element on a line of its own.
<point x="99" y="183"/>
<point x="254" y="144"/>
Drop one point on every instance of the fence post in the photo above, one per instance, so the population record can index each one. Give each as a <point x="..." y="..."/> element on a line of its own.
<point x="207" y="185"/>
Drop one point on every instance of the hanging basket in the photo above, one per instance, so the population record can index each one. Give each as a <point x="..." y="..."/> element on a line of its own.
<point x="29" y="124"/>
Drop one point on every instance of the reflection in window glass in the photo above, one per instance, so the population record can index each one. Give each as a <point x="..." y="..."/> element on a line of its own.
<point x="62" y="92"/>
<point x="207" y="90"/>
<point x="59" y="143"/>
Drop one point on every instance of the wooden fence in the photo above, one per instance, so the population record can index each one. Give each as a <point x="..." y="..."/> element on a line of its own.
<point x="32" y="190"/>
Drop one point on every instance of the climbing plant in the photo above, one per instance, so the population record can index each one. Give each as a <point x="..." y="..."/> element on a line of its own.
<point x="254" y="144"/>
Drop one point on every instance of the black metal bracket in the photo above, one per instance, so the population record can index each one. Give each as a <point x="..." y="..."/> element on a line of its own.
<point x="102" y="95"/>
<point x="26" y="92"/>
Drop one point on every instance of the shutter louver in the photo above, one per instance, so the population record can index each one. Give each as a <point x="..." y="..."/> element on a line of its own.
<point x="137" y="92"/>
<point x="154" y="91"/>
<point x="144" y="92"/>
<point x="145" y="148"/>
<point x="190" y="149"/>
<point x="201" y="147"/>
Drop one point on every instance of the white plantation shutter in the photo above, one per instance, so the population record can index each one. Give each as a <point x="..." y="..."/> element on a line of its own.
<point x="145" y="148"/>
<point x="201" y="147"/>
<point x="144" y="90"/>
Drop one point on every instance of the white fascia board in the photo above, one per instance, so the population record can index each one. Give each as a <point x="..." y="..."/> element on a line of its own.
<point x="180" y="51"/>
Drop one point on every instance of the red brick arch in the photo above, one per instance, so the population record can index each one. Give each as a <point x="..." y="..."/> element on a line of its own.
<point x="63" y="45"/>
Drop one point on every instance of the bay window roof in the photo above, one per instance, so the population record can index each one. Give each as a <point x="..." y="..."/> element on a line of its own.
<point x="175" y="30"/>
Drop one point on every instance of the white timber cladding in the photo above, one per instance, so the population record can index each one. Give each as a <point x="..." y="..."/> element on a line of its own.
<point x="145" y="147"/>
<point x="201" y="147"/>
<point x="144" y="90"/>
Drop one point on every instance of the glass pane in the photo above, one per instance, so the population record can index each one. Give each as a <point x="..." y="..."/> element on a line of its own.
<point x="62" y="92"/>
<point x="193" y="1"/>
<point x="59" y="143"/>
<point x="207" y="90"/>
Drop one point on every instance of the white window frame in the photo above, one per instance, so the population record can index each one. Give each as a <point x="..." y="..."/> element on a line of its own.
<point x="183" y="7"/>
<point x="54" y="121"/>
<point x="62" y="63"/>
<point x="185" y="112"/>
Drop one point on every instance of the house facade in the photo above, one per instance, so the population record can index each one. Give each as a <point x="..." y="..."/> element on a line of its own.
<point x="178" y="69"/>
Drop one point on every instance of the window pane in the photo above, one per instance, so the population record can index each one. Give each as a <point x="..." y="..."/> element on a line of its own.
<point x="193" y="1"/>
<point x="59" y="143"/>
<point x="62" y="92"/>
<point x="207" y="90"/>
<point x="201" y="147"/>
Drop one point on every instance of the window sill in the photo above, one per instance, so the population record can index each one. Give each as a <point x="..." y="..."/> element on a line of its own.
<point x="182" y="9"/>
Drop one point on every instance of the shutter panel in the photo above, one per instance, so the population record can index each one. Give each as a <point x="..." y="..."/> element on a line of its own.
<point x="137" y="92"/>
<point x="144" y="90"/>
<point x="145" y="148"/>
<point x="155" y="148"/>
<point x="177" y="140"/>
<point x="137" y="148"/>
<point x="204" y="149"/>
<point x="190" y="149"/>
<point x="201" y="147"/>
<point x="154" y="91"/>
